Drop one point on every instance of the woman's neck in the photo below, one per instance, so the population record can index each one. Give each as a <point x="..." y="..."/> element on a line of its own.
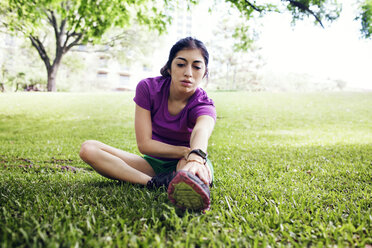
<point x="175" y="96"/>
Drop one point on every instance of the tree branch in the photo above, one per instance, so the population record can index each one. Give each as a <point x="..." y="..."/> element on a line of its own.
<point x="304" y="8"/>
<point x="53" y="22"/>
<point x="49" y="17"/>
<point x="41" y="50"/>
<point x="74" y="43"/>
<point x="68" y="36"/>
<point x="59" y="46"/>
<point x="4" y="24"/>
<point x="62" y="27"/>
<point x="253" y="6"/>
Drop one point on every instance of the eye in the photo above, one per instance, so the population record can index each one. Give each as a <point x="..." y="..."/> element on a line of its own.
<point x="180" y="65"/>
<point x="197" y="67"/>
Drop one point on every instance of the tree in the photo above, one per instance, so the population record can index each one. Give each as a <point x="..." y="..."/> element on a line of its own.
<point x="121" y="51"/>
<point x="233" y="68"/>
<point x="74" y="23"/>
<point x="20" y="65"/>
<point x="321" y="10"/>
<point x="365" y="16"/>
<point x="80" y="22"/>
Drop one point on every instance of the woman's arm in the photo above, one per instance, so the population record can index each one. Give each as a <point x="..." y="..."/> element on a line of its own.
<point x="201" y="132"/>
<point x="146" y="145"/>
<point x="199" y="140"/>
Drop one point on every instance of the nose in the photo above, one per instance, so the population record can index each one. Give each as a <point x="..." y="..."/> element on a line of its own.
<point x="188" y="71"/>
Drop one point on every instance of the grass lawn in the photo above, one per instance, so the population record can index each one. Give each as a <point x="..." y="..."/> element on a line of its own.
<point x="291" y="170"/>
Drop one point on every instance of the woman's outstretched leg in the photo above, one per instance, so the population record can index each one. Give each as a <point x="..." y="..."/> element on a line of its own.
<point x="116" y="164"/>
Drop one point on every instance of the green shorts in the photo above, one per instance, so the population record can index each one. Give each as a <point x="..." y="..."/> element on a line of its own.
<point x="163" y="166"/>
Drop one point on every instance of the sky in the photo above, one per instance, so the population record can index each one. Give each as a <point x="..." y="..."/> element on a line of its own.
<point x="335" y="52"/>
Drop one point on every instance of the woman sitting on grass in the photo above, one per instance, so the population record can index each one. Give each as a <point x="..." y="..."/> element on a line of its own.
<point x="173" y="122"/>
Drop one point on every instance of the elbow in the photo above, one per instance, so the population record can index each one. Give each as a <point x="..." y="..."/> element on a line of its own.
<point x="141" y="148"/>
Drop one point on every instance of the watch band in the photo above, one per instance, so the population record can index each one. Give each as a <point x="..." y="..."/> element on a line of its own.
<point x="200" y="153"/>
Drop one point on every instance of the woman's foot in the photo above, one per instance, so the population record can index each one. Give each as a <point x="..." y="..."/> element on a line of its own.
<point x="187" y="191"/>
<point x="162" y="179"/>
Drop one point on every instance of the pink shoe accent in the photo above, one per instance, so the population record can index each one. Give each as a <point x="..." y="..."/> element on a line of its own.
<point x="187" y="191"/>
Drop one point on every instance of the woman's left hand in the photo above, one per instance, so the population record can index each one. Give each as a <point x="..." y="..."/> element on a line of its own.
<point x="196" y="167"/>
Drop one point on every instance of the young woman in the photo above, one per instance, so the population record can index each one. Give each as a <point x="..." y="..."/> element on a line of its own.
<point x="174" y="119"/>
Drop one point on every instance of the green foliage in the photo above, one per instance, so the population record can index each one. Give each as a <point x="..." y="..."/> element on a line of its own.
<point x="235" y="60"/>
<point x="248" y="9"/>
<point x="320" y="10"/>
<point x="291" y="170"/>
<point x="91" y="18"/>
<point x="134" y="44"/>
<point x="19" y="65"/>
<point x="366" y="18"/>
<point x="73" y="23"/>
<point x="243" y="37"/>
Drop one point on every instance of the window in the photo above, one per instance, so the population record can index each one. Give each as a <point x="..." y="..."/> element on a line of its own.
<point x="102" y="74"/>
<point x="103" y="62"/>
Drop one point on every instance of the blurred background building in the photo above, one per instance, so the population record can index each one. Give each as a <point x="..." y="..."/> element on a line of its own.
<point x="283" y="58"/>
<point x="107" y="72"/>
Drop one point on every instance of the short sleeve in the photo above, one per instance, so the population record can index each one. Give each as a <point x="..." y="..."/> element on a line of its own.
<point x="200" y="110"/>
<point x="142" y="97"/>
<point x="201" y="105"/>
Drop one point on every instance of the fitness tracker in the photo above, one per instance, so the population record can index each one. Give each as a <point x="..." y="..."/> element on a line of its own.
<point x="200" y="153"/>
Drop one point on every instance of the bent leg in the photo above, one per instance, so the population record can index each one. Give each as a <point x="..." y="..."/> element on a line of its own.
<point x="114" y="163"/>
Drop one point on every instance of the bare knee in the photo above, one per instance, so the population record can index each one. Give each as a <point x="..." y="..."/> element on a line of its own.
<point x="88" y="149"/>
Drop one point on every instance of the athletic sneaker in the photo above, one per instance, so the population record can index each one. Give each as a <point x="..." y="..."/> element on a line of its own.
<point x="187" y="191"/>
<point x="162" y="179"/>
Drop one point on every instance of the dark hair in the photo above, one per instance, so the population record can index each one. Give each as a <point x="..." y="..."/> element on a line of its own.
<point x="186" y="43"/>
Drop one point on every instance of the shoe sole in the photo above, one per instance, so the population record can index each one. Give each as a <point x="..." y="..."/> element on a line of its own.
<point x="186" y="192"/>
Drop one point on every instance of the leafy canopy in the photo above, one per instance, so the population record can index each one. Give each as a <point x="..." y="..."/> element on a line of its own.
<point x="320" y="10"/>
<point x="75" y="23"/>
<point x="365" y="16"/>
<point x="89" y="18"/>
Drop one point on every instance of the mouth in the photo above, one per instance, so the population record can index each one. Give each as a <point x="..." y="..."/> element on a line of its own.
<point x="186" y="82"/>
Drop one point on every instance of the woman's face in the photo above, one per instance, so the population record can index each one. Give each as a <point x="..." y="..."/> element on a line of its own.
<point x="187" y="70"/>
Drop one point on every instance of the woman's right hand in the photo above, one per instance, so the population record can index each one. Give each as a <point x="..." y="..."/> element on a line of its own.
<point x="196" y="168"/>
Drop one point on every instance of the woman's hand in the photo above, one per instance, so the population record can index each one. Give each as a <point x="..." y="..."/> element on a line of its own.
<point x="196" y="166"/>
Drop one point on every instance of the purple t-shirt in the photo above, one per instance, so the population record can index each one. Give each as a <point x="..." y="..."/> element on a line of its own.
<point x="152" y="94"/>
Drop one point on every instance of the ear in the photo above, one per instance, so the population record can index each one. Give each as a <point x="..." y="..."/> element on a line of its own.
<point x="205" y="73"/>
<point x="169" y="71"/>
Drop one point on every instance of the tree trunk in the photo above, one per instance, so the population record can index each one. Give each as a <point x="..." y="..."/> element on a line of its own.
<point x="52" y="77"/>
<point x="62" y="47"/>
